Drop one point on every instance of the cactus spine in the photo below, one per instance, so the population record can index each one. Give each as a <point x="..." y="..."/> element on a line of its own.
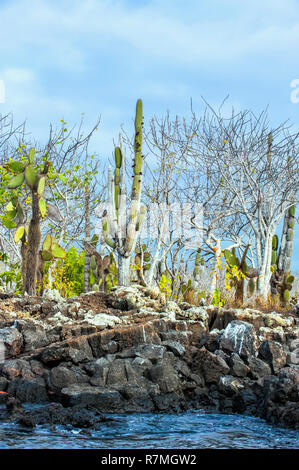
<point x="120" y="231"/>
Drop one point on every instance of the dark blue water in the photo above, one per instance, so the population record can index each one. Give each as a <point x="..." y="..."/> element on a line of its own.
<point x="193" y="429"/>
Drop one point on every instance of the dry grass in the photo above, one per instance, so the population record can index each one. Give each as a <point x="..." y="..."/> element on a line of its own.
<point x="259" y="303"/>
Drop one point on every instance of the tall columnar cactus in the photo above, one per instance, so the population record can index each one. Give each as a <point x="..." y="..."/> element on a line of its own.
<point x="120" y="228"/>
<point x="282" y="280"/>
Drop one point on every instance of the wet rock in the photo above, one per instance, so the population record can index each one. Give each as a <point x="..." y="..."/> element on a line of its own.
<point x="274" y="354"/>
<point x="3" y="384"/>
<point x="55" y="414"/>
<point x="136" y="398"/>
<point x="239" y="337"/>
<point x="12" y="340"/>
<point x="245" y="400"/>
<point x="229" y="385"/>
<point x="28" y="390"/>
<point x="27" y="420"/>
<point x="168" y="402"/>
<point x="14" y="407"/>
<point x="105" y="399"/>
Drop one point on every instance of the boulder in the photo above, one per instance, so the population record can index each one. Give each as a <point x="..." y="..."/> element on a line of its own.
<point x="229" y="385"/>
<point x="258" y="368"/>
<point x="62" y="377"/>
<point x="237" y="366"/>
<point x="239" y="337"/>
<point x="31" y="390"/>
<point x="104" y="399"/>
<point x="34" y="336"/>
<point x="209" y="365"/>
<point x="12" y="340"/>
<point x="165" y="376"/>
<point x="175" y="347"/>
<point x="274" y="354"/>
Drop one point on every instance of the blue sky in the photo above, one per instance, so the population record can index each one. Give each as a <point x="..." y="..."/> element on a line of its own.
<point x="62" y="58"/>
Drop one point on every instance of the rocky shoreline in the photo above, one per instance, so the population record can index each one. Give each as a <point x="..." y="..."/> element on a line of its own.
<point x="131" y="351"/>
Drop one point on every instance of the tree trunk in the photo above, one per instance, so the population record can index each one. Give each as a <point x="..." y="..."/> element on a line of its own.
<point x="123" y="271"/>
<point x="32" y="252"/>
<point x="87" y="235"/>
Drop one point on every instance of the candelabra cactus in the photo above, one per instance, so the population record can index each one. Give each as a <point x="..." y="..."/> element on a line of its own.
<point x="282" y="280"/>
<point x="121" y="231"/>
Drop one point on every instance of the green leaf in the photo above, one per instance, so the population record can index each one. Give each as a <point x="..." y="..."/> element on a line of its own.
<point x="42" y="207"/>
<point x="17" y="167"/>
<point x="19" y="233"/>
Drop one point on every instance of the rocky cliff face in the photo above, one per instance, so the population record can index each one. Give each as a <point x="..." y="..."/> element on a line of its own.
<point x="133" y="351"/>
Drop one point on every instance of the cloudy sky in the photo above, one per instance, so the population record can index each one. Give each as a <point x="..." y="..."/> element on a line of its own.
<point x="60" y="59"/>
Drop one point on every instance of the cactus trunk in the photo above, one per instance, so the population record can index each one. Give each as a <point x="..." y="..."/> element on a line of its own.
<point x="123" y="271"/>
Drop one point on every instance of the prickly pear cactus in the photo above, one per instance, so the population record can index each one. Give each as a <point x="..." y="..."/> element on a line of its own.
<point x="142" y="262"/>
<point x="238" y="272"/>
<point x="28" y="175"/>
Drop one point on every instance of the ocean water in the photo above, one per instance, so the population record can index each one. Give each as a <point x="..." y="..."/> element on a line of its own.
<point x="193" y="429"/>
